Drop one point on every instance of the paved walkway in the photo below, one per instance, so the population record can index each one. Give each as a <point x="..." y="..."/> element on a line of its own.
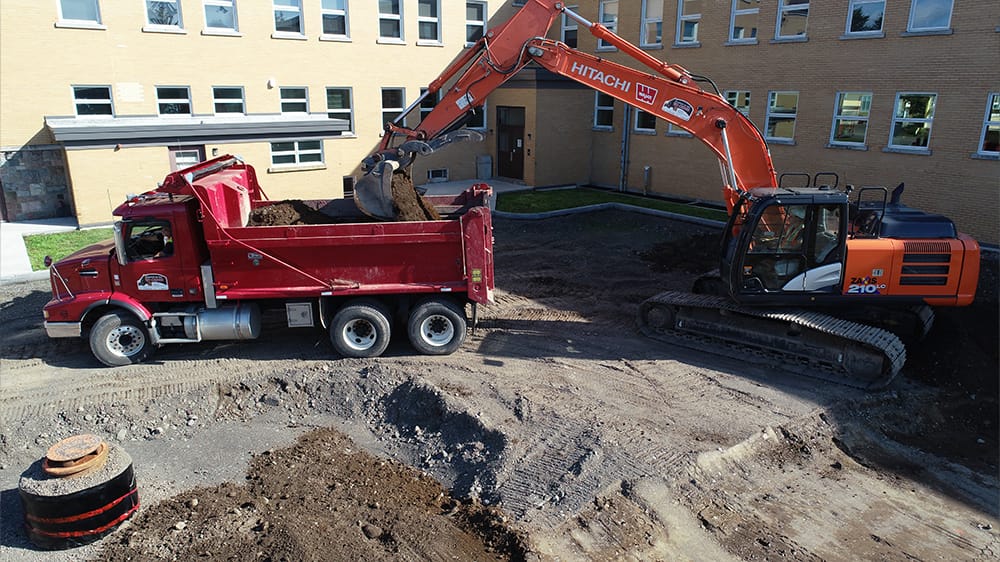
<point x="14" y="264"/>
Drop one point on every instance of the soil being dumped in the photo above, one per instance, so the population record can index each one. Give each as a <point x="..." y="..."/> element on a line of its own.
<point x="408" y="204"/>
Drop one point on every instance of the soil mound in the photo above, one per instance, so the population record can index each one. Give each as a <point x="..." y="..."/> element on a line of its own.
<point x="288" y="212"/>
<point x="410" y="205"/>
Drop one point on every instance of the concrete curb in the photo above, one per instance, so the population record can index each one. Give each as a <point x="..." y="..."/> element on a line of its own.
<point x="611" y="206"/>
<point x="25" y="277"/>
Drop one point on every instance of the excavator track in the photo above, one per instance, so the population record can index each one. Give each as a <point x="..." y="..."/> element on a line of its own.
<point x="802" y="342"/>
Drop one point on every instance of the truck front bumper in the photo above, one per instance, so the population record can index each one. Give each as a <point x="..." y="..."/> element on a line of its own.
<point x="63" y="329"/>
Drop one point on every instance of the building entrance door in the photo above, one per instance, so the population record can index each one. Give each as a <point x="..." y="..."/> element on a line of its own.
<point x="510" y="142"/>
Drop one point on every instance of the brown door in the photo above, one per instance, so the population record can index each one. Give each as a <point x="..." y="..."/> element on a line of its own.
<point x="510" y="142"/>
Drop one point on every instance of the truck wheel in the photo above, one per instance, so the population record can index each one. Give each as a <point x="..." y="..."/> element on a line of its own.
<point x="119" y="338"/>
<point x="437" y="327"/>
<point x="360" y="329"/>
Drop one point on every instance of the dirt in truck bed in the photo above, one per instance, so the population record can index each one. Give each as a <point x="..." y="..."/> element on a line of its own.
<point x="556" y="432"/>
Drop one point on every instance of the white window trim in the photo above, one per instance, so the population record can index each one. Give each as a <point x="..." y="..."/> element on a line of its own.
<point x="346" y="12"/>
<point x="643" y="130"/>
<point x="349" y="111"/>
<point x="297" y="152"/>
<point x="384" y="109"/>
<point x="769" y="114"/>
<point x="612" y="28"/>
<point x="80" y="24"/>
<point x="986" y="124"/>
<point x="946" y="27"/>
<point x="485" y="114"/>
<point x="838" y="117"/>
<point x="76" y="101"/>
<point x="425" y="110"/>
<point x="733" y="13"/>
<point x="216" y="100"/>
<point x="160" y="100"/>
<point x="681" y="19"/>
<point x="929" y="122"/>
<point x="478" y="23"/>
<point x="646" y="20"/>
<point x="784" y="6"/>
<point x="158" y="28"/>
<point x="569" y="24"/>
<point x="725" y="95"/>
<point x="872" y="33"/>
<point x="402" y="32"/>
<point x="209" y="30"/>
<point x="598" y="108"/>
<point x="282" y="99"/>
<point x="300" y="34"/>
<point x="424" y="19"/>
<point x="675" y="131"/>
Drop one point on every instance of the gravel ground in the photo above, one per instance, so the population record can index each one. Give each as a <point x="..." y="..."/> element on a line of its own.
<point x="556" y="432"/>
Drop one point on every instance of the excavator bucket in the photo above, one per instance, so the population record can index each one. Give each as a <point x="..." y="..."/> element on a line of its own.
<point x="373" y="192"/>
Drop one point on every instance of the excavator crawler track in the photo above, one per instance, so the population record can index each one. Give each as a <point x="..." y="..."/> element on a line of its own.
<point x="802" y="342"/>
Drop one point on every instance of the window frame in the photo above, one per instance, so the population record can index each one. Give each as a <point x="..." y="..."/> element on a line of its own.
<point x="476" y="23"/>
<point x="938" y="29"/>
<point x="925" y="148"/>
<point x="335" y="12"/>
<point x="283" y="34"/>
<point x="297" y="152"/>
<point x="783" y="7"/>
<point x="85" y="101"/>
<point x="772" y="96"/>
<point x="95" y="23"/>
<point x="429" y="19"/>
<point x="151" y="27"/>
<point x="569" y="24"/>
<point x="428" y="103"/>
<point x="986" y="125"/>
<point x="217" y="100"/>
<point x="598" y="108"/>
<point x="333" y="113"/>
<point x="383" y="109"/>
<point x="160" y="101"/>
<point x="647" y="19"/>
<point x="838" y="116"/>
<point x="235" y="29"/>
<point x="393" y="17"/>
<point x="735" y="104"/>
<point x="679" y="39"/>
<point x="612" y="26"/>
<point x="282" y="99"/>
<point x="483" y="113"/>
<point x="643" y="130"/>
<point x="733" y="14"/>
<point x="848" y="32"/>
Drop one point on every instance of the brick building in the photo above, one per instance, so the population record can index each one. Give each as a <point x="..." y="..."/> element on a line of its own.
<point x="878" y="91"/>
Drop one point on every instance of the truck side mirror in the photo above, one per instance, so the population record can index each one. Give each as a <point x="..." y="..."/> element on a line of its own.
<point x="120" y="243"/>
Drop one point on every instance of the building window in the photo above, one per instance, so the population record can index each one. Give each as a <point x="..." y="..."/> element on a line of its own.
<point x="911" y="123"/>
<point x="429" y="21"/>
<point x="293" y="153"/>
<point x="173" y="100"/>
<point x="930" y="15"/>
<point x="220" y="15"/>
<point x="93" y="100"/>
<point x="335" y="19"/>
<point x="604" y="111"/>
<point x="688" y="21"/>
<point x="340" y="105"/>
<point x="163" y="13"/>
<point x="294" y="99"/>
<point x="609" y="19"/>
<point x="228" y="99"/>
<point x="743" y="21"/>
<point x="645" y="122"/>
<point x="675" y="131"/>
<point x="182" y="157"/>
<point x="392" y="103"/>
<point x="865" y="16"/>
<point x="79" y="12"/>
<point x="740" y="99"/>
<point x="288" y="17"/>
<point x="850" y="118"/>
<point x="989" y="142"/>
<point x="390" y="20"/>
<point x="781" y="112"/>
<point x="478" y="118"/>
<point x="428" y="103"/>
<point x="793" y="15"/>
<point x="568" y="32"/>
<point x="652" y="23"/>
<point x="475" y="22"/>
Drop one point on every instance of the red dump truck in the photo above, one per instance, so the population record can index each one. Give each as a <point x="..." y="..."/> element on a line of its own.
<point x="185" y="266"/>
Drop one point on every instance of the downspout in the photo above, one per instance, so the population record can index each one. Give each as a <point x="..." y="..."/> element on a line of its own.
<point x="626" y="143"/>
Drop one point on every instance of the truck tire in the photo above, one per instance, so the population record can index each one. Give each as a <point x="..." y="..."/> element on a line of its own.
<point x="437" y="327"/>
<point x="119" y="338"/>
<point x="361" y="328"/>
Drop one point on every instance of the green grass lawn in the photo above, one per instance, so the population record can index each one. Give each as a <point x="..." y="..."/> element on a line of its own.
<point x="62" y="244"/>
<point x="554" y="199"/>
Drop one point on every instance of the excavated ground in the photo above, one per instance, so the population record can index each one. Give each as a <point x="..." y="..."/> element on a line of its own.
<point x="555" y="433"/>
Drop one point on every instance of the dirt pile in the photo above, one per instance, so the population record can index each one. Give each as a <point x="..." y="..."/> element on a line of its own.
<point x="408" y="204"/>
<point x="288" y="212"/>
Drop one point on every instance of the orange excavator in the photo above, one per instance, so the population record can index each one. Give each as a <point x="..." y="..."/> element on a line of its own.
<point x="811" y="279"/>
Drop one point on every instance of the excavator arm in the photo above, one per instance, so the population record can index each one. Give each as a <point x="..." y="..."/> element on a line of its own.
<point x="669" y="94"/>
